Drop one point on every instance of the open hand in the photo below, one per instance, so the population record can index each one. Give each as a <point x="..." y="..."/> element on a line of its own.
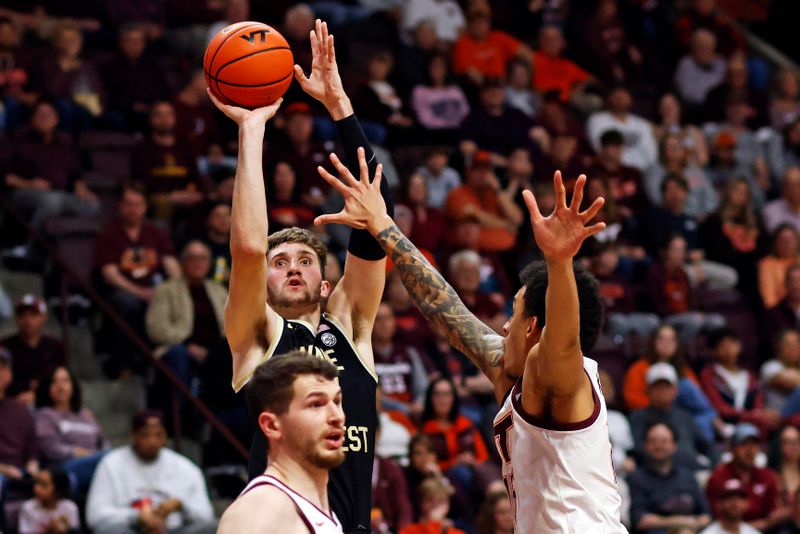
<point x="242" y="115"/>
<point x="560" y="235"/>
<point x="363" y="203"/>
<point x="324" y="84"/>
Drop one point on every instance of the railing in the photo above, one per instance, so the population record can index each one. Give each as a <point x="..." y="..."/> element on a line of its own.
<point x="69" y="274"/>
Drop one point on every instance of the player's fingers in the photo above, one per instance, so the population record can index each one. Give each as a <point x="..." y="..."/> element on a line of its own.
<point x="272" y="109"/>
<point x="334" y="181"/>
<point x="561" y="193"/>
<point x="331" y="50"/>
<point x="314" y="43"/>
<point x="593" y="229"/>
<point x="363" y="175"/>
<point x="343" y="171"/>
<point x="577" y="193"/>
<point x="300" y="76"/>
<point x="592" y="210"/>
<point x="331" y="218"/>
<point x="533" y="207"/>
<point x="376" y="181"/>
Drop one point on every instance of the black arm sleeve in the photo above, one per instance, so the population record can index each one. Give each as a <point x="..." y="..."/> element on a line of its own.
<point x="361" y="243"/>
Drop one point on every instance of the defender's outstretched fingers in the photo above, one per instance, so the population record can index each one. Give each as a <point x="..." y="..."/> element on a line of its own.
<point x="593" y="229"/>
<point x="363" y="175"/>
<point x="533" y="207"/>
<point x="331" y="50"/>
<point x="561" y="192"/>
<point x="334" y="181"/>
<point x="332" y="218"/>
<point x="577" y="194"/>
<point x="300" y="76"/>
<point x="343" y="171"/>
<point x="376" y="181"/>
<point x="592" y="210"/>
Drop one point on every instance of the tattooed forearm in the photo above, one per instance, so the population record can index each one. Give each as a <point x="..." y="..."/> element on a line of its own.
<point x="440" y="303"/>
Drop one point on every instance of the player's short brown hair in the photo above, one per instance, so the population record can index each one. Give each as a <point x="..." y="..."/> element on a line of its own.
<point x="272" y="386"/>
<point x="304" y="237"/>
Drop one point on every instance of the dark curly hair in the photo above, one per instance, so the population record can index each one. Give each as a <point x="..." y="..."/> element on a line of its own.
<point x="534" y="278"/>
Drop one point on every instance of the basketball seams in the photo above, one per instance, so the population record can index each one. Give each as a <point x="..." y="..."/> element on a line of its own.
<point x="232" y="34"/>
<point x="248" y="86"/>
<point x="251" y="54"/>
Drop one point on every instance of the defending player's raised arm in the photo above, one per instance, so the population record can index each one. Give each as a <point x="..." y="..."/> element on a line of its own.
<point x="558" y="365"/>
<point x="247" y="317"/>
<point x="439" y="303"/>
<point x="357" y="296"/>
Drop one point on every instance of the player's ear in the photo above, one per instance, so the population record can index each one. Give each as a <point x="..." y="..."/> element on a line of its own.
<point x="269" y="424"/>
<point x="532" y="330"/>
<point x="324" y="289"/>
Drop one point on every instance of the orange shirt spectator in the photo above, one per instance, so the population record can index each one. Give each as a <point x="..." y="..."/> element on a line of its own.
<point x="771" y="279"/>
<point x="635" y="384"/>
<point x="459" y="437"/>
<point x="489" y="56"/>
<point x="551" y="72"/>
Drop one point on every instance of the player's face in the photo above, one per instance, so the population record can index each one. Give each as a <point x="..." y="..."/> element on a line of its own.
<point x="314" y="424"/>
<point x="519" y="338"/>
<point x="295" y="278"/>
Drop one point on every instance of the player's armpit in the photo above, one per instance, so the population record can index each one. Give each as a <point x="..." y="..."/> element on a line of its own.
<point x="440" y="304"/>
<point x="260" y="510"/>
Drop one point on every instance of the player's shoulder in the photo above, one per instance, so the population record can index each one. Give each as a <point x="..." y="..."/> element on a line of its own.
<point x="260" y="506"/>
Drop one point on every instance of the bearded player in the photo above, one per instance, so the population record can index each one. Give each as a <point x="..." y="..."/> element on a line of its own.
<point x="299" y="405"/>
<point x="277" y="284"/>
<point x="551" y="430"/>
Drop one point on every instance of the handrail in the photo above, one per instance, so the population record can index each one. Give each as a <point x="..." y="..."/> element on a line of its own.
<point x="126" y="329"/>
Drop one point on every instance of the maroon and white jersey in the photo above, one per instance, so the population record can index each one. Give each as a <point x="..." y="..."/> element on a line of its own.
<point x="317" y="521"/>
<point x="559" y="477"/>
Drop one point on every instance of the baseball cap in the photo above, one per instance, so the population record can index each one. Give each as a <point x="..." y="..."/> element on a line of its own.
<point x="733" y="487"/>
<point x="745" y="432"/>
<point x="297" y="108"/>
<point x="145" y="418"/>
<point x="5" y="356"/>
<point x="30" y="302"/>
<point x="661" y="371"/>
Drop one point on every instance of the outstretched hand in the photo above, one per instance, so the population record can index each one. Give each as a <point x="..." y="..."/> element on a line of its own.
<point x="560" y="234"/>
<point x="324" y="83"/>
<point x="242" y="115"/>
<point x="363" y="204"/>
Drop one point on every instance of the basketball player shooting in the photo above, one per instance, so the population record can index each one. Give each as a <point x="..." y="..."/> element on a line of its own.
<point x="277" y="284"/>
<point x="551" y="431"/>
<point x="298" y="403"/>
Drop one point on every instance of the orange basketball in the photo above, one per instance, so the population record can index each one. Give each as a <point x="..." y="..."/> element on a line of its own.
<point x="248" y="64"/>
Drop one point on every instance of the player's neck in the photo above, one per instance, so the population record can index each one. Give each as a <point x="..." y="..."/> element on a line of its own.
<point x="308" y="314"/>
<point x="308" y="480"/>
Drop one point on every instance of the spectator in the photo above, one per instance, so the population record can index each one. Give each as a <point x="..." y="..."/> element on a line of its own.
<point x="44" y="173"/>
<point x="662" y="390"/>
<point x="133" y="79"/>
<point x="464" y="268"/>
<point x="184" y="317"/>
<point x="518" y="91"/>
<point x="674" y="291"/>
<point x="619" y="429"/>
<point x="700" y="71"/>
<point x="298" y="21"/>
<point x="413" y="59"/>
<point x="428" y="227"/>
<point x="459" y="446"/>
<point x="481" y="52"/>
<point x="785" y="210"/>
<point x="69" y="80"/>
<point x="14" y="75"/>
<point x="400" y="368"/>
<point x="411" y="325"/>
<point x="780" y="376"/>
<point x="674" y="159"/>
<point x="133" y="256"/>
<point x="446" y="17"/>
<point x="705" y="14"/>
<point x="395" y="433"/>
<point x="665" y="496"/>
<point x="672" y="122"/>
<point x="763" y="505"/>
<point x="494" y="126"/>
<point x="782" y="149"/>
<point x="439" y="105"/>
<point x="67" y="433"/>
<point x="285" y="207"/>
<point x="33" y="351"/>
<point x="624" y="183"/>
<point x="557" y="74"/>
<point x="18" y="454"/>
<point x="195" y="120"/>
<point x="166" y="165"/>
<point x="563" y="153"/>
<point x="640" y="145"/>
<point x="482" y="198"/>
<point x="784" y="107"/>
<point x="380" y="104"/>
<point x="735" y="392"/>
<point x="731" y="510"/>
<point x="217" y="239"/>
<point x="496" y="515"/>
<point x="389" y="495"/>
<point x="50" y="510"/>
<point x="788" y="464"/>
<point x="150" y="14"/>
<point x="440" y="179"/>
<point x="784" y="314"/>
<point x="784" y="251"/>
<point x="735" y="85"/>
<point x="434" y="504"/>
<point x="608" y="49"/>
<point x="147" y="486"/>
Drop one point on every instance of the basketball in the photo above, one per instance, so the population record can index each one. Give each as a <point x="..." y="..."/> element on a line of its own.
<point x="248" y="64"/>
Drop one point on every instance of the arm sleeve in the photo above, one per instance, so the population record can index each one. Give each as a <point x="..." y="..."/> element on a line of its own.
<point x="362" y="244"/>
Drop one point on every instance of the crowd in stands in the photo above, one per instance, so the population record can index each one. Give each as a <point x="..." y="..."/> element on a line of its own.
<point x="693" y="140"/>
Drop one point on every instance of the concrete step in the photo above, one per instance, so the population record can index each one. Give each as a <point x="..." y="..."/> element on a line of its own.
<point x="113" y="404"/>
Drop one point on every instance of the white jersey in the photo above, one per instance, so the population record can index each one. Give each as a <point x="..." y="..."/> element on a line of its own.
<point x="317" y="521"/>
<point x="559" y="477"/>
